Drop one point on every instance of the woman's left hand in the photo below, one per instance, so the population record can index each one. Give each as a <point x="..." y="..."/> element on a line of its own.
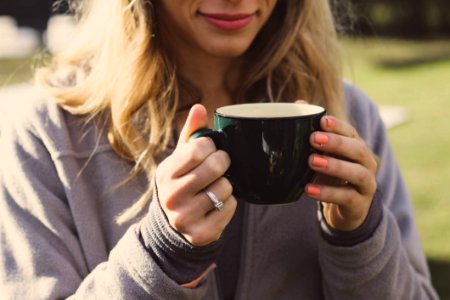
<point x="346" y="174"/>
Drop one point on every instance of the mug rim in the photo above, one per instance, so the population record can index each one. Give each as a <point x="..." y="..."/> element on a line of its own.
<point x="320" y="110"/>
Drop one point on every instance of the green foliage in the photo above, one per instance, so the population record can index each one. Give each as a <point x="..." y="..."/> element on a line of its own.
<point x="403" y="18"/>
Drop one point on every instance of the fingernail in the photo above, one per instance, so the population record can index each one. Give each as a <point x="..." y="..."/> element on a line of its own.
<point x="321" y="138"/>
<point x="319" y="162"/>
<point x="330" y="122"/>
<point x="313" y="189"/>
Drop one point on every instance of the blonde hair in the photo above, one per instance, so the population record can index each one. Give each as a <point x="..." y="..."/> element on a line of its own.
<point x="119" y="69"/>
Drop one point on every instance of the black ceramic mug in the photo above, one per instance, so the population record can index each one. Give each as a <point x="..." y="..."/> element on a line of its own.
<point x="268" y="144"/>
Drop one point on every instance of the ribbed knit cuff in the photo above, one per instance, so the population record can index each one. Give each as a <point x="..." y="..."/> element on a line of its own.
<point x="360" y="234"/>
<point x="179" y="259"/>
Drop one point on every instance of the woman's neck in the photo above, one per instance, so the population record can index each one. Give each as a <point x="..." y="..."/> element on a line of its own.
<point x="209" y="74"/>
<point x="214" y="78"/>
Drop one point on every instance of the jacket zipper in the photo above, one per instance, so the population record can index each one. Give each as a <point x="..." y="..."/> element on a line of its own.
<point x="244" y="238"/>
<point x="218" y="284"/>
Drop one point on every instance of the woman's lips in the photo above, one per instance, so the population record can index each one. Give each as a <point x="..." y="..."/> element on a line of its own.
<point x="228" y="21"/>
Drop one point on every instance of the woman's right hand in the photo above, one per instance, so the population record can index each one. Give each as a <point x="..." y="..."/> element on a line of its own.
<point x="181" y="180"/>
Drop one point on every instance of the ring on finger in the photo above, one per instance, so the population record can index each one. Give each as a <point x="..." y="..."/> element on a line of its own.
<point x="218" y="204"/>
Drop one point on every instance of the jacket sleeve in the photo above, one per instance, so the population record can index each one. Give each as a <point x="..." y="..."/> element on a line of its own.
<point x="390" y="264"/>
<point x="40" y="254"/>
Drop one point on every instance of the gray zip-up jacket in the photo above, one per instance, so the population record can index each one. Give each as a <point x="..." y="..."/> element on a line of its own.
<point x="60" y="193"/>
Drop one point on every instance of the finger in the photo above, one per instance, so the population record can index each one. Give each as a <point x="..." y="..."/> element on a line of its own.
<point x="339" y="127"/>
<point x="212" y="226"/>
<point x="197" y="179"/>
<point x="212" y="168"/>
<point x="349" y="148"/>
<point x="344" y="208"/>
<point x="342" y="195"/>
<point x="355" y="174"/>
<point x="221" y="188"/>
<point x="197" y="119"/>
<point x="335" y="125"/>
<point x="188" y="156"/>
<point x="188" y="215"/>
<point x="201" y="203"/>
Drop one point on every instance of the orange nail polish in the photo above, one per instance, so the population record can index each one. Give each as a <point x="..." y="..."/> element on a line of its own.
<point x="330" y="122"/>
<point x="313" y="189"/>
<point x="319" y="162"/>
<point x="321" y="138"/>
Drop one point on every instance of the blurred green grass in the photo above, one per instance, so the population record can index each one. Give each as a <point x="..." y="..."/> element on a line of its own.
<point x="15" y="70"/>
<point x="415" y="75"/>
<point x="411" y="74"/>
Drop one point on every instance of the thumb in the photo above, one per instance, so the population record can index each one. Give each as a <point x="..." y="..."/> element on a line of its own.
<point x="197" y="119"/>
<point x="299" y="101"/>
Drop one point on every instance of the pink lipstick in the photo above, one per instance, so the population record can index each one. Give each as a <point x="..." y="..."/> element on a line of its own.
<point x="228" y="21"/>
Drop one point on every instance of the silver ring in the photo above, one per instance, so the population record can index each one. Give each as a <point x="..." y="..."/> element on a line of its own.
<point x="216" y="201"/>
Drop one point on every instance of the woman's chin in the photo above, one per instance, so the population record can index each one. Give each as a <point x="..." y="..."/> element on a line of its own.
<point x="228" y="50"/>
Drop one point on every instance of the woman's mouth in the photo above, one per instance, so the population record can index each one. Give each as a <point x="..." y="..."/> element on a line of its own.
<point x="228" y="22"/>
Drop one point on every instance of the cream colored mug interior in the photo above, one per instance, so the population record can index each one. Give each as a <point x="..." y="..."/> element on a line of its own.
<point x="269" y="110"/>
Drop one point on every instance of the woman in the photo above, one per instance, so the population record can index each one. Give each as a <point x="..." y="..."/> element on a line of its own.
<point x="101" y="197"/>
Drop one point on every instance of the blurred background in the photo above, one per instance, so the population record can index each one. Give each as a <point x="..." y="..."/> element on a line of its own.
<point x="398" y="51"/>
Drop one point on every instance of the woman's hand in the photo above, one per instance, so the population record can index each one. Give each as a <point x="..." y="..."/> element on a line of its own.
<point x="346" y="182"/>
<point x="181" y="180"/>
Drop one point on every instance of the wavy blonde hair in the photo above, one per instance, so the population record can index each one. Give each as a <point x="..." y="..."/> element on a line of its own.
<point x="115" y="66"/>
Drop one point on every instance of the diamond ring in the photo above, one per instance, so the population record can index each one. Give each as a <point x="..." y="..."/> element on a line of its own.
<point x="215" y="200"/>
